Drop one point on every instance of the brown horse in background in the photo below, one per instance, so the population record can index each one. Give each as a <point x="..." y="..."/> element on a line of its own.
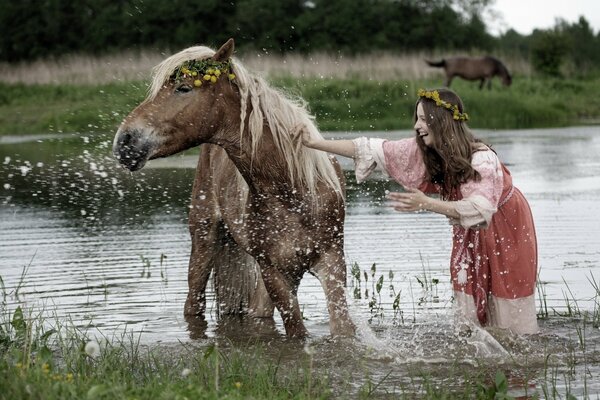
<point x="473" y="68"/>
<point x="259" y="196"/>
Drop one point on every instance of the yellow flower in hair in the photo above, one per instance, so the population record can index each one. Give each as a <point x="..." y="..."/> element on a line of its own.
<point x="194" y="73"/>
<point x="207" y="77"/>
<point x="435" y="96"/>
<point x="217" y="73"/>
<point x="231" y="77"/>
<point x="213" y="79"/>
<point x="197" y="83"/>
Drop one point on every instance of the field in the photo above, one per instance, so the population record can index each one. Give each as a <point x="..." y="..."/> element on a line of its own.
<point x="375" y="92"/>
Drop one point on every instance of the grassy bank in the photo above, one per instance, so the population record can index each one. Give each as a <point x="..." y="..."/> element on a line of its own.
<point x="61" y="362"/>
<point x="339" y="104"/>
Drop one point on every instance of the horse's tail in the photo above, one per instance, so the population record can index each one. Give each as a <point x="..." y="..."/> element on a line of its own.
<point x="441" y="63"/>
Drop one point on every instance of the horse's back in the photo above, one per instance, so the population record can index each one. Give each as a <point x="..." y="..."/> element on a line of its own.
<point x="470" y="67"/>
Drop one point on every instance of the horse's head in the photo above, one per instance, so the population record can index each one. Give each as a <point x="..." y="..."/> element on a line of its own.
<point x="186" y="106"/>
<point x="504" y="74"/>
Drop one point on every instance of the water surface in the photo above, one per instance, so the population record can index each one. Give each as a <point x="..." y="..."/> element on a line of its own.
<point x="83" y="239"/>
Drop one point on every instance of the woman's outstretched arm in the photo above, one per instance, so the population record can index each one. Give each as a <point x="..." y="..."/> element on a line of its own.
<point x="343" y="148"/>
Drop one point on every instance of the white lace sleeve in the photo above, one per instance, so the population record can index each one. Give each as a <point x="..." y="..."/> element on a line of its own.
<point x="480" y="198"/>
<point x="368" y="155"/>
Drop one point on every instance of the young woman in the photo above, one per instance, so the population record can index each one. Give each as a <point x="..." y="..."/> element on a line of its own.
<point x="493" y="265"/>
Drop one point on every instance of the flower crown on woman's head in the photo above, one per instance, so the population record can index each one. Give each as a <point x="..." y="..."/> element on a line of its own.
<point x="453" y="108"/>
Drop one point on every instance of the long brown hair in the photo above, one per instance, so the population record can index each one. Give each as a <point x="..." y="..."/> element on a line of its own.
<point x="448" y="160"/>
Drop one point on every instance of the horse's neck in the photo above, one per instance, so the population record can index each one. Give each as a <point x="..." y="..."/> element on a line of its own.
<point x="266" y="172"/>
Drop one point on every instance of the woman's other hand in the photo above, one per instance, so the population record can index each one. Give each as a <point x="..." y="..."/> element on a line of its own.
<point x="411" y="200"/>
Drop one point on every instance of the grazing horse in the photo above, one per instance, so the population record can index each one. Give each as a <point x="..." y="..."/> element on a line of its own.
<point x="259" y="196"/>
<point x="474" y="68"/>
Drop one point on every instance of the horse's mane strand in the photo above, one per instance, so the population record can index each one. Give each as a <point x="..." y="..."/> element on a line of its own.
<point x="281" y="111"/>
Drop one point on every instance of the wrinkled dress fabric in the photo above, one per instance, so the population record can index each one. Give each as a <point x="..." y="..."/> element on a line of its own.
<point x="493" y="265"/>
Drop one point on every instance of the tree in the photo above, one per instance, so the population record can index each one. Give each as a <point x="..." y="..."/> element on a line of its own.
<point x="548" y="50"/>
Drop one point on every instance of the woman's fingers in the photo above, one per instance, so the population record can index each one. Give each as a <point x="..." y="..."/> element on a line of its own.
<point x="407" y="201"/>
<point x="300" y="133"/>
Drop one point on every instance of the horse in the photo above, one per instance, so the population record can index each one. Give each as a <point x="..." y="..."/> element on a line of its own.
<point x="263" y="205"/>
<point x="473" y="68"/>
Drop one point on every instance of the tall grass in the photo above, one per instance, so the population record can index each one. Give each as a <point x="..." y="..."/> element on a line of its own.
<point x="135" y="66"/>
<point x="365" y="92"/>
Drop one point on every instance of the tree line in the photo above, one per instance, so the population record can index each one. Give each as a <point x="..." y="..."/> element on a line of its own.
<point x="32" y="29"/>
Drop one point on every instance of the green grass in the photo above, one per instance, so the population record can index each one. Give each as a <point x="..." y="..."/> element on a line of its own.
<point x="339" y="105"/>
<point x="37" y="362"/>
<point x="45" y="358"/>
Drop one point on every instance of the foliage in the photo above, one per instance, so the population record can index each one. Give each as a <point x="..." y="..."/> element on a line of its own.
<point x="548" y="51"/>
<point x="32" y="29"/>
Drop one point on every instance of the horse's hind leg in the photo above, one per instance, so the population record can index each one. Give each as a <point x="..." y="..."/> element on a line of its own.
<point x="239" y="286"/>
<point x="331" y="271"/>
<point x="448" y="80"/>
<point x="481" y="83"/>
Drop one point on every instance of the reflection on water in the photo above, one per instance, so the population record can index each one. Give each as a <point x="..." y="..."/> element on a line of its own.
<point x="109" y="249"/>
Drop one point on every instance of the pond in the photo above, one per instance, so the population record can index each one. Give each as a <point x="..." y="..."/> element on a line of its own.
<point x="81" y="238"/>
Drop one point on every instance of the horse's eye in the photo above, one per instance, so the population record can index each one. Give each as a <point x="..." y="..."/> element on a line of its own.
<point x="183" y="88"/>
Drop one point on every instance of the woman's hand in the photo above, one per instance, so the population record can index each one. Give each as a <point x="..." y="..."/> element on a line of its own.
<point x="412" y="200"/>
<point x="301" y="133"/>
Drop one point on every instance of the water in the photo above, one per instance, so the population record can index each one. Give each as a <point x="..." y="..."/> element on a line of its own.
<point x="83" y="239"/>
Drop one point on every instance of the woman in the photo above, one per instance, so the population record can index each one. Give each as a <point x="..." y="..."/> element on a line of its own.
<point x="493" y="265"/>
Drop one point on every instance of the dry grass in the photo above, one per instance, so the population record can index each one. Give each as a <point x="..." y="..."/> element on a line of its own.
<point x="81" y="69"/>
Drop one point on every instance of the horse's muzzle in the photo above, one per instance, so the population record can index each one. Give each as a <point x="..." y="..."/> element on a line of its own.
<point x="131" y="149"/>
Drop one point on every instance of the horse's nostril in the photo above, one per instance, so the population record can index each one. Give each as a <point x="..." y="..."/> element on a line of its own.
<point x="126" y="138"/>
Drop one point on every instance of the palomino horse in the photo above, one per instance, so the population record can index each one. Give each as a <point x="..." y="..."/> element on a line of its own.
<point x="258" y="192"/>
<point x="473" y="68"/>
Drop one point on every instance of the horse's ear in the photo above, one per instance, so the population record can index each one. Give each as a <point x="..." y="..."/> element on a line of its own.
<point x="225" y="52"/>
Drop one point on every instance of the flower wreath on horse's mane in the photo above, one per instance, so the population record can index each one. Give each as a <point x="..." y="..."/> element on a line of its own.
<point x="209" y="70"/>
<point x="453" y="108"/>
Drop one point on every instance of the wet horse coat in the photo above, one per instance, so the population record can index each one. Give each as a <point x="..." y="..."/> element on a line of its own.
<point x="259" y="197"/>
<point x="473" y="68"/>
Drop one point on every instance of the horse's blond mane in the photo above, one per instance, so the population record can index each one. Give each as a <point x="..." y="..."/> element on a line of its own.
<point x="282" y="113"/>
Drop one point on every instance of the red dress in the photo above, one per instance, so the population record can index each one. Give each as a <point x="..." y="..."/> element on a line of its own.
<point x="493" y="265"/>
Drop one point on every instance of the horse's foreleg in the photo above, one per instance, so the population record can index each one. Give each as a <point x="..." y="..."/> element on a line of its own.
<point x="481" y="83"/>
<point x="285" y="300"/>
<point x="201" y="264"/>
<point x="331" y="271"/>
<point x="448" y="80"/>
